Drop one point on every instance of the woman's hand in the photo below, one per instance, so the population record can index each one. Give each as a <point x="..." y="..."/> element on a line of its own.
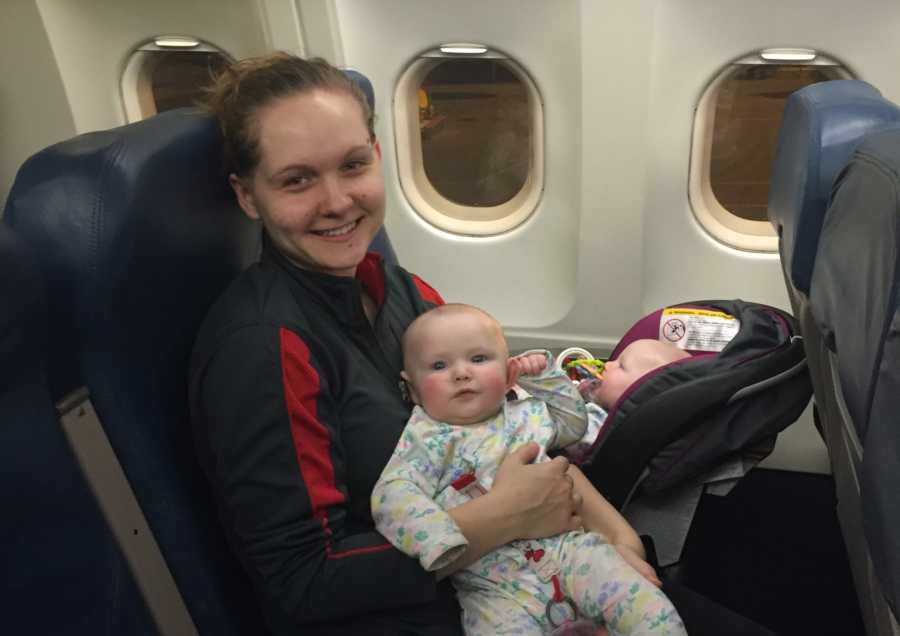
<point x="526" y="501"/>
<point x="539" y="498"/>
<point x="635" y="560"/>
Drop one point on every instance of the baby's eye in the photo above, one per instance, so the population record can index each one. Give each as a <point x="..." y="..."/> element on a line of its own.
<point x="479" y="358"/>
<point x="439" y="365"/>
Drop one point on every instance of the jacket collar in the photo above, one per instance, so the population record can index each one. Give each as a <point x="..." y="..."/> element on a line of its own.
<point x="340" y="295"/>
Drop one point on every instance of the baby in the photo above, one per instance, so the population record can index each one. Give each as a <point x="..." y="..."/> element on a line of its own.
<point x="458" y="370"/>
<point x="637" y="359"/>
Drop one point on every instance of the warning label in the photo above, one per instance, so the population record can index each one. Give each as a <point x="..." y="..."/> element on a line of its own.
<point x="697" y="329"/>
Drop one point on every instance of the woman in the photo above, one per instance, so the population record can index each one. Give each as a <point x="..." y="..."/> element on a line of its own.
<point x="294" y="380"/>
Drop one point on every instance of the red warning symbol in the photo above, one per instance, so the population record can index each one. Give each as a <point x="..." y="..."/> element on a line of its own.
<point x="674" y="329"/>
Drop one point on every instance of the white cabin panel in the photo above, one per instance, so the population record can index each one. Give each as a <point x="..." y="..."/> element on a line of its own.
<point x="34" y="112"/>
<point x="526" y="277"/>
<point x="681" y="261"/>
<point x="92" y="40"/>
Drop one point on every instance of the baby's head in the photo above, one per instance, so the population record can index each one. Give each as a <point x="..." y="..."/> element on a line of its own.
<point x="638" y="358"/>
<point x="456" y="364"/>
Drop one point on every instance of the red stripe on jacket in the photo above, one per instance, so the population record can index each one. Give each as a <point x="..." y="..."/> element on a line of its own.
<point x="370" y="274"/>
<point x="312" y="441"/>
<point x="427" y="292"/>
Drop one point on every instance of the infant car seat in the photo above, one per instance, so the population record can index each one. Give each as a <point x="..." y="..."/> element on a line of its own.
<point x="745" y="381"/>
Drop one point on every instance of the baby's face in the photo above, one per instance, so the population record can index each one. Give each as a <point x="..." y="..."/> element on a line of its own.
<point x="636" y="360"/>
<point x="458" y="369"/>
<point x="618" y="375"/>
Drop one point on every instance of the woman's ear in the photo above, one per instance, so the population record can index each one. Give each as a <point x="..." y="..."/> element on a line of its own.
<point x="244" y="196"/>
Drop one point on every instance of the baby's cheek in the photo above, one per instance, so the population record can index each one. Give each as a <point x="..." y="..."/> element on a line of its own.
<point x="430" y="389"/>
<point x="496" y="381"/>
<point x="606" y="393"/>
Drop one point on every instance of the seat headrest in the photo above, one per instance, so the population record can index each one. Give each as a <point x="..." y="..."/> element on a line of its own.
<point x="364" y="84"/>
<point x="822" y="125"/>
<point x="129" y="225"/>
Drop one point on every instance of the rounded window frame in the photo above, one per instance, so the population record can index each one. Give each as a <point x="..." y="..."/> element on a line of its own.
<point x="717" y="220"/>
<point x="426" y="201"/>
<point x="136" y="85"/>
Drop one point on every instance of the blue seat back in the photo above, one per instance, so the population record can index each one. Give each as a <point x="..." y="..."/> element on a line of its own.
<point x="63" y="571"/>
<point x="136" y="232"/>
<point x="822" y="125"/>
<point x="855" y="300"/>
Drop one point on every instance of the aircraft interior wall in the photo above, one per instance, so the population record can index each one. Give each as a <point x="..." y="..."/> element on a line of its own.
<point x="681" y="261"/>
<point x="92" y="40"/>
<point x="34" y="112"/>
<point x="613" y="236"/>
<point x="531" y="283"/>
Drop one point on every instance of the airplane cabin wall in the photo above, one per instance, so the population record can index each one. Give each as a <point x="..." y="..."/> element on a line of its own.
<point x="93" y="39"/>
<point x="693" y="41"/>
<point x="681" y="260"/>
<point x="640" y="69"/>
<point x="62" y="61"/>
<point x="527" y="276"/>
<point x="34" y="112"/>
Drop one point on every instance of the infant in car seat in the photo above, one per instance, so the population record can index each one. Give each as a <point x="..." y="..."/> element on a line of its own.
<point x="636" y="360"/>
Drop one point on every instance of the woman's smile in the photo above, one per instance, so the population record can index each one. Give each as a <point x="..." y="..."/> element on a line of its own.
<point x="339" y="232"/>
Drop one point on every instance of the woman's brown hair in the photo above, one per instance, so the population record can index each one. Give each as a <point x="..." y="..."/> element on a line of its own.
<point x="244" y="87"/>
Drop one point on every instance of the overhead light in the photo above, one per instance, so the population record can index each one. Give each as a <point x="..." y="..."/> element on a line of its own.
<point x="175" y="42"/>
<point x="463" y="48"/>
<point x="788" y="55"/>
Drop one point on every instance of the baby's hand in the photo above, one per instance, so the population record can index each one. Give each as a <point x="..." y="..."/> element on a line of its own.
<point x="529" y="363"/>
<point x="643" y="568"/>
<point x="588" y="390"/>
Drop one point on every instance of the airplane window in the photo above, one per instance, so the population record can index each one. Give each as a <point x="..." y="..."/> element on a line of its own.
<point x="735" y="137"/>
<point x="156" y="79"/>
<point x="469" y="142"/>
<point x="477" y="110"/>
<point x="178" y="78"/>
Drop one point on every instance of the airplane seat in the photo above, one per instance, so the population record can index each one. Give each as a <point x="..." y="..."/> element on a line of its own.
<point x="855" y="303"/>
<point x="64" y="572"/>
<point x="136" y="232"/>
<point x="822" y="127"/>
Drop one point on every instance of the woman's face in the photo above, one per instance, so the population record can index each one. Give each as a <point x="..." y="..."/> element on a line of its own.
<point x="318" y="187"/>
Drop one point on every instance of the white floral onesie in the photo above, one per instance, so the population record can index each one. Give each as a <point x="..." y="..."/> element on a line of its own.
<point x="435" y="468"/>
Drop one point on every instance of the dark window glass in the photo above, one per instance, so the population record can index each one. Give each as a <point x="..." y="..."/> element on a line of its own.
<point x="748" y="113"/>
<point x="475" y="127"/>
<point x="178" y="78"/>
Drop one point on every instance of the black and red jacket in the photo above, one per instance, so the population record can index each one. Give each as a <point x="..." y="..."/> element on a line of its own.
<point x="296" y="409"/>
